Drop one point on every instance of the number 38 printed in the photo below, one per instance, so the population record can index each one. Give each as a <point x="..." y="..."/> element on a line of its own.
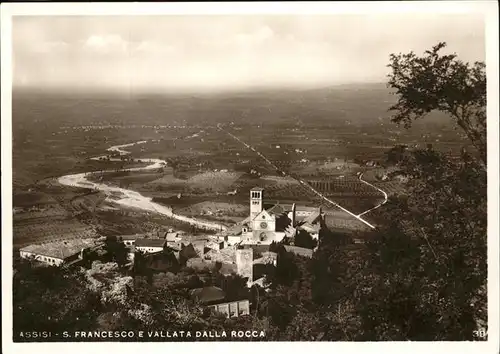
<point x="481" y="333"/>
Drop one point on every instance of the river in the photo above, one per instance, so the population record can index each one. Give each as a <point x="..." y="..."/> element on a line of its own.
<point x="130" y="198"/>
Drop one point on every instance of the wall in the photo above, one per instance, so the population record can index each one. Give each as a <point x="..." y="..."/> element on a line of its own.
<point x="231" y="240"/>
<point x="253" y="238"/>
<point x="48" y="260"/>
<point x="244" y="263"/>
<point x="233" y="309"/>
<point x="149" y="249"/>
<point x="264" y="217"/>
<point x="303" y="213"/>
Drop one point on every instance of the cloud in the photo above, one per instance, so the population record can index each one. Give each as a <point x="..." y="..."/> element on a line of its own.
<point x="151" y="47"/>
<point x="224" y="51"/>
<point x="112" y="42"/>
<point x="254" y="38"/>
<point x="49" y="47"/>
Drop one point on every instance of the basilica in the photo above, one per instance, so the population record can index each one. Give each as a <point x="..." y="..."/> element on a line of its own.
<point x="265" y="225"/>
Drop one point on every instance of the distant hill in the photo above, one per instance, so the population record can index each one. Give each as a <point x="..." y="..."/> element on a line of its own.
<point x="359" y="104"/>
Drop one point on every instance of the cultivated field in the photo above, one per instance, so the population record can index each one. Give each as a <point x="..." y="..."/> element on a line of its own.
<point x="323" y="136"/>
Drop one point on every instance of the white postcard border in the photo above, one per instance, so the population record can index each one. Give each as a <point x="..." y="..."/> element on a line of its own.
<point x="488" y="8"/>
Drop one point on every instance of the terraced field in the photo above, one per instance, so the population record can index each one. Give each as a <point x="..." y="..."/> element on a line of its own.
<point x="50" y="229"/>
<point x="392" y="187"/>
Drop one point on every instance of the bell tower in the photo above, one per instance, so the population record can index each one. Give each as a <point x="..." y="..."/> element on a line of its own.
<point x="255" y="202"/>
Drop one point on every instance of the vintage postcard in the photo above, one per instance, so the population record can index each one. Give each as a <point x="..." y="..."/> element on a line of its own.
<point x="285" y="174"/>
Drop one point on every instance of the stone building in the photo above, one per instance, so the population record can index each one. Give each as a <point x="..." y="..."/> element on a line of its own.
<point x="244" y="263"/>
<point x="214" y="298"/>
<point x="272" y="223"/>
<point x="59" y="252"/>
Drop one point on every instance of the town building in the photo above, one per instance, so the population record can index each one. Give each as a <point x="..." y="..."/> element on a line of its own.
<point x="235" y="239"/>
<point x="128" y="240"/>
<point x="214" y="297"/>
<point x="172" y="237"/>
<point x="130" y="253"/>
<point x="267" y="258"/>
<point x="199" y="246"/>
<point x="233" y="308"/>
<point x="244" y="264"/>
<point x="150" y="245"/>
<point x="200" y="264"/>
<point x="299" y="251"/>
<point x="60" y="252"/>
<point x="226" y="255"/>
<point x="267" y="224"/>
<point x="215" y="245"/>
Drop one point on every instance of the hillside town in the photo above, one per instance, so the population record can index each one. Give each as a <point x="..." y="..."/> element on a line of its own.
<point x="244" y="249"/>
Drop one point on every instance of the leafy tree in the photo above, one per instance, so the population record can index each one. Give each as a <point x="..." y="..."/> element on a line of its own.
<point x="428" y="258"/>
<point x="286" y="268"/>
<point x="444" y="83"/>
<point x="234" y="286"/>
<point x="395" y="154"/>
<point x="304" y="239"/>
<point x="52" y="299"/>
<point x="117" y="251"/>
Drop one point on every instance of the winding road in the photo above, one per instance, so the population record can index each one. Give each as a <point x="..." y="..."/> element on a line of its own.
<point x="131" y="198"/>
<point x="377" y="188"/>
<point x="307" y="185"/>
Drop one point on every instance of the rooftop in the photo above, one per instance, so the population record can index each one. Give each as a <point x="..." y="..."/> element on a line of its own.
<point x="310" y="227"/>
<point x="288" y="207"/>
<point x="176" y="246"/>
<point x="199" y="242"/>
<point x="314" y="217"/>
<point x="258" y="248"/>
<point x="128" y="237"/>
<point x="61" y="249"/>
<point x="299" y="251"/>
<point x="149" y="242"/>
<point x="235" y="230"/>
<point x="257" y="189"/>
<point x="208" y="294"/>
<point x="225" y="255"/>
<point x="171" y="236"/>
<point x="277" y="209"/>
<point x="267" y="257"/>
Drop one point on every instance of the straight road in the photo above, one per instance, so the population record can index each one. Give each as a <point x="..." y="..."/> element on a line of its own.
<point x="303" y="183"/>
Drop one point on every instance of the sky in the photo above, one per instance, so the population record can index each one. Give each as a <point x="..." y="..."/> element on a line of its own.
<point x="203" y="52"/>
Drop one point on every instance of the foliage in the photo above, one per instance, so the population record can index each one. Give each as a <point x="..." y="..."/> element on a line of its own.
<point x="428" y="260"/>
<point x="441" y="82"/>
<point x="52" y="299"/>
<point x="304" y="239"/>
<point x="117" y="251"/>
<point x="432" y="258"/>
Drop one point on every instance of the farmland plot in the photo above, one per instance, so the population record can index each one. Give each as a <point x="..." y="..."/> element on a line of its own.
<point x="51" y="229"/>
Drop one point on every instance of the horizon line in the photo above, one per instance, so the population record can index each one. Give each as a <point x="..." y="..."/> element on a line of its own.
<point x="184" y="91"/>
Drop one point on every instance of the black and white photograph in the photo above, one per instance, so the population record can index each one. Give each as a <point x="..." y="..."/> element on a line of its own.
<point x="268" y="172"/>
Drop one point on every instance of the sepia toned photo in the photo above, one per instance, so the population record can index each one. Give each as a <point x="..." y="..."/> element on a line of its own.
<point x="313" y="176"/>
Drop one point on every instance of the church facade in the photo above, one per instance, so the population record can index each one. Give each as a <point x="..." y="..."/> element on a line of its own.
<point x="263" y="226"/>
<point x="260" y="227"/>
